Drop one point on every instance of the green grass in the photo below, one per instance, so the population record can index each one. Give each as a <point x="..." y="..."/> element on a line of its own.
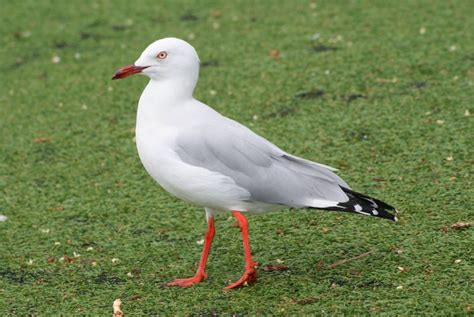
<point x="390" y="111"/>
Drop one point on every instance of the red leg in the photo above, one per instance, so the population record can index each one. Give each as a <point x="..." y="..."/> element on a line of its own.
<point x="250" y="273"/>
<point x="200" y="274"/>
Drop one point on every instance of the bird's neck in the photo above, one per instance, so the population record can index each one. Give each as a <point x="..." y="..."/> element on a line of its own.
<point x="170" y="89"/>
<point x="161" y="98"/>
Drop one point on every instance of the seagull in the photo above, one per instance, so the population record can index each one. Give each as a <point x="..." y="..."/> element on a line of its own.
<point x="207" y="159"/>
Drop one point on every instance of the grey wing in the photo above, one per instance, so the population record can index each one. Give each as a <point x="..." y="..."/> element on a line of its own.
<point x="267" y="172"/>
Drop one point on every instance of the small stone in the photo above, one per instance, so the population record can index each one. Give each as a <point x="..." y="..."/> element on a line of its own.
<point x="191" y="36"/>
<point x="215" y="25"/>
<point x="77" y="55"/>
<point x="400" y="287"/>
<point x="458" y="261"/>
<point x="94" y="263"/>
<point x="57" y="243"/>
<point x="44" y="230"/>
<point x="312" y="5"/>
<point x="200" y="242"/>
<point x="402" y="269"/>
<point x="422" y="30"/>
<point x="84" y="107"/>
<point x="440" y="122"/>
<point x="60" y="105"/>
<point x="75" y="254"/>
<point x="467" y="113"/>
<point x="56" y="59"/>
<point x="255" y="117"/>
<point x="212" y="92"/>
<point x="129" y="274"/>
<point x="327" y="72"/>
<point x="453" y="48"/>
<point x="115" y="260"/>
<point x="110" y="88"/>
<point x="89" y="249"/>
<point x="449" y="158"/>
<point x="30" y="262"/>
<point x="279" y="261"/>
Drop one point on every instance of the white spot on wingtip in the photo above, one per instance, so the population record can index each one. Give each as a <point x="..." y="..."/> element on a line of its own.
<point x="375" y="212"/>
<point x="395" y="218"/>
<point x="357" y="207"/>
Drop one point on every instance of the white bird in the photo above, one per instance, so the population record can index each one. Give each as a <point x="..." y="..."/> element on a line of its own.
<point x="207" y="159"/>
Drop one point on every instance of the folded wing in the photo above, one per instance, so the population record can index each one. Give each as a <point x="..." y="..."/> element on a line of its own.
<point x="268" y="173"/>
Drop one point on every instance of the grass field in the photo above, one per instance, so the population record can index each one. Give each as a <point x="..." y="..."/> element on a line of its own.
<point x="381" y="90"/>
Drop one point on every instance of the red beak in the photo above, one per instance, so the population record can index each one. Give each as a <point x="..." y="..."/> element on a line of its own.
<point x="128" y="71"/>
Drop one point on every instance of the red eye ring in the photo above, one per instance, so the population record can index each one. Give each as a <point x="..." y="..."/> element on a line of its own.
<point x="162" y="55"/>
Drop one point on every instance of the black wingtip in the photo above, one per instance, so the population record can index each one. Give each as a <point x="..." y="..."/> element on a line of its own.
<point x="365" y="205"/>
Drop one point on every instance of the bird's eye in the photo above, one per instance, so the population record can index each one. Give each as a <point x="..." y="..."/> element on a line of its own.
<point x="162" y="55"/>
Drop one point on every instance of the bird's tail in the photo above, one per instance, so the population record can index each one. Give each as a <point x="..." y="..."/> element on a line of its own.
<point x="365" y="205"/>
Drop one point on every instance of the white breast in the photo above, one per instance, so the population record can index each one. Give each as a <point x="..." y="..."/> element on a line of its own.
<point x="156" y="131"/>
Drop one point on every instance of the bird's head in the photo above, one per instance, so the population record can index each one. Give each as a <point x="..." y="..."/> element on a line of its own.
<point x="168" y="58"/>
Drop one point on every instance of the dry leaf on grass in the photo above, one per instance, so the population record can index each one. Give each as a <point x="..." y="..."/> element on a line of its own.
<point x="274" y="53"/>
<point x="68" y="259"/>
<point x="216" y="13"/>
<point x="271" y="268"/>
<point x="340" y="262"/>
<point x="325" y="230"/>
<point x="42" y="140"/>
<point x="305" y="301"/>
<point x="460" y="225"/>
<point x="116" y="307"/>
<point x="320" y="265"/>
<point x="387" y="81"/>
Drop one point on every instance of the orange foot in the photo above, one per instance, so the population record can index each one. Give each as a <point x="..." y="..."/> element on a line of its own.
<point x="250" y="275"/>
<point x="186" y="282"/>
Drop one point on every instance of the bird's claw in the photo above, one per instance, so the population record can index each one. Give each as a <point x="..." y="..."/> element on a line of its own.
<point x="186" y="282"/>
<point x="250" y="275"/>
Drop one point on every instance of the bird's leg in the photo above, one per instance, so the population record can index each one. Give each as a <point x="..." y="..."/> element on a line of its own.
<point x="250" y="273"/>
<point x="200" y="273"/>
